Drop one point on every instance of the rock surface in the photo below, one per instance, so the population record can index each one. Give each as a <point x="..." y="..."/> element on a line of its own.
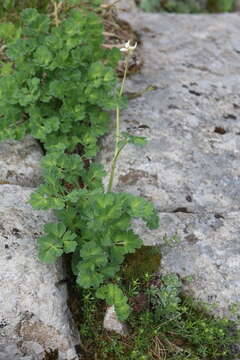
<point x="190" y="168"/>
<point x="34" y="317"/>
<point x="112" y="323"/>
<point x="19" y="162"/>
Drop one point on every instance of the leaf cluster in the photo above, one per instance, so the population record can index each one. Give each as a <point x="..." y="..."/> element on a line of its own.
<point x="58" y="84"/>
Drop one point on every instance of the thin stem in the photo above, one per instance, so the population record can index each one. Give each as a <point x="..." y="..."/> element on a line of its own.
<point x="56" y="7"/>
<point x="117" y="136"/>
<point x="125" y="74"/>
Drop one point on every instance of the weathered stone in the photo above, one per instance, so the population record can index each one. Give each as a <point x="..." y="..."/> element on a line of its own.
<point x="112" y="323"/>
<point x="190" y="168"/>
<point x="125" y="5"/>
<point x="34" y="316"/>
<point x="20" y="162"/>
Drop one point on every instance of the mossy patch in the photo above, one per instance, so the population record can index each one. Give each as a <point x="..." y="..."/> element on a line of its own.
<point x="163" y="325"/>
<point x="145" y="260"/>
<point x="51" y="355"/>
<point x="186" y="6"/>
<point x="220" y="5"/>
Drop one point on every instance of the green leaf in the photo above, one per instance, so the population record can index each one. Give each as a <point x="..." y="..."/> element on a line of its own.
<point x="139" y="207"/>
<point x="7" y="4"/>
<point x="122" y="223"/>
<point x="93" y="177"/>
<point x="29" y="15"/>
<point x="68" y="242"/>
<point x="57" y="88"/>
<point x="9" y="32"/>
<point x="110" y="271"/>
<point x="113" y="295"/>
<point x="132" y="139"/>
<point x="20" y="48"/>
<point x="38" y="201"/>
<point x="6" y="69"/>
<point x="37" y="26"/>
<point x="94" y="253"/>
<point x="35" y="23"/>
<point x="55" y="229"/>
<point x="42" y="56"/>
<point x="75" y="195"/>
<point x="43" y="199"/>
<point x="49" y="249"/>
<point x="117" y="253"/>
<point x="128" y="240"/>
<point x="105" y="200"/>
<point x="57" y="241"/>
<point x="87" y="276"/>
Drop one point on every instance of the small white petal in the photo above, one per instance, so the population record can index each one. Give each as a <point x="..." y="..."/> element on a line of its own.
<point x="127" y="44"/>
<point x="133" y="47"/>
<point x="124" y="50"/>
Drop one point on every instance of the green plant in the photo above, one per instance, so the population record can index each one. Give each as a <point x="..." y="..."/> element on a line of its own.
<point x="186" y="6"/>
<point x="150" y="5"/>
<point x="10" y="8"/>
<point x="165" y="325"/>
<point x="58" y="84"/>
<point x="182" y="6"/>
<point x="220" y="5"/>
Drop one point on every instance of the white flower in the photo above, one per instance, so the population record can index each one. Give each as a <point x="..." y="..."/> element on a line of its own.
<point x="128" y="48"/>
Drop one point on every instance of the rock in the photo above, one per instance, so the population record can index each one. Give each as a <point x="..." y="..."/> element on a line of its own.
<point x="112" y="323"/>
<point x="20" y="162"/>
<point x="34" y="316"/>
<point x="123" y="5"/>
<point x="190" y="168"/>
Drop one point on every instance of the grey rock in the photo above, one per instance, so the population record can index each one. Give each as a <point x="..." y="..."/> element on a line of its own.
<point x="20" y="162"/>
<point x="112" y="323"/>
<point x="34" y="316"/>
<point x="123" y="5"/>
<point x="190" y="167"/>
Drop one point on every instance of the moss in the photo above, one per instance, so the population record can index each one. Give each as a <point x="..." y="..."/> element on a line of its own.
<point x="145" y="260"/>
<point x="51" y="355"/>
<point x="186" y="6"/>
<point x="165" y="326"/>
<point x="220" y="5"/>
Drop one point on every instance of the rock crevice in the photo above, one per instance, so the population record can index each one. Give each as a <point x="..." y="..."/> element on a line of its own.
<point x="190" y="167"/>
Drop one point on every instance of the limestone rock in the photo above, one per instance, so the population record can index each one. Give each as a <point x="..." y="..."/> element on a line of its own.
<point x="190" y="168"/>
<point x="34" y="316"/>
<point x="20" y="162"/>
<point x="112" y="323"/>
<point x="124" y="5"/>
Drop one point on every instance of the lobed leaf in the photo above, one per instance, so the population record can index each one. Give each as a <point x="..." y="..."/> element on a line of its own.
<point x="113" y="295"/>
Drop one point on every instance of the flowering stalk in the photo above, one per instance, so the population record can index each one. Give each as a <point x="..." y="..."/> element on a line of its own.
<point x="128" y="50"/>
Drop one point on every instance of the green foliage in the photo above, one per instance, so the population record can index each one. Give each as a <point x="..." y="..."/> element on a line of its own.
<point x="145" y="260"/>
<point x="220" y="5"/>
<point x="56" y="241"/>
<point x="150" y="5"/>
<point x="57" y="84"/>
<point x="114" y="296"/>
<point x="164" y="325"/>
<point x="182" y="6"/>
<point x="186" y="6"/>
<point x="11" y="8"/>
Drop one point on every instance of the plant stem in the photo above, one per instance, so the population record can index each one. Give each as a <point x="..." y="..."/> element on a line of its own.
<point x="117" y="136"/>
<point x="56" y="7"/>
